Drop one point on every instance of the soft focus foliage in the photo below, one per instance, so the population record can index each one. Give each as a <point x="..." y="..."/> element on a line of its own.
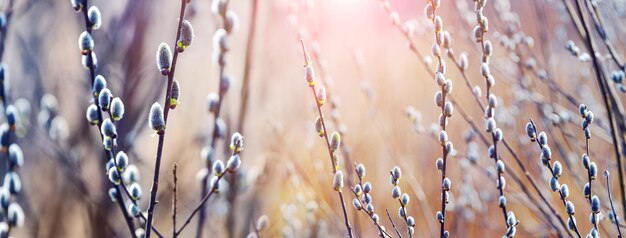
<point x="402" y="117"/>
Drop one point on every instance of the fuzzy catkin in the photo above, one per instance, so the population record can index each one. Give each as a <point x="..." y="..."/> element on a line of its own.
<point x="338" y="180"/>
<point x="164" y="58"/>
<point x="117" y="109"/>
<point x="186" y="36"/>
<point x="95" y="17"/>
<point x="156" y="120"/>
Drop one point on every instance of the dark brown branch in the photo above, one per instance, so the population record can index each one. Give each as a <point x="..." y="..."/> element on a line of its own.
<point x="166" y="109"/>
<point x="174" y="202"/>
<point x="393" y="224"/>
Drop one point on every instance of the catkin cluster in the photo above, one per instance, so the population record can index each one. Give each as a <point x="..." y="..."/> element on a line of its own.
<point x="490" y="122"/>
<point x="221" y="46"/>
<point x="592" y="170"/>
<point x="403" y="198"/>
<point x="12" y="213"/>
<point x="446" y="109"/>
<point x="333" y="142"/>
<point x="556" y="170"/>
<point x="105" y="112"/>
<point x="157" y="118"/>
<point x="363" y="199"/>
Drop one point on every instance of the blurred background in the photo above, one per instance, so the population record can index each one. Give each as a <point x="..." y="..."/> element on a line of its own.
<point x="373" y="77"/>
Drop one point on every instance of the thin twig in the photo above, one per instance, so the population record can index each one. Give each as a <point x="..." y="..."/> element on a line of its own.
<point x="307" y="63"/>
<point x="549" y="166"/>
<point x="199" y="206"/>
<point x="417" y="53"/>
<point x="490" y="113"/>
<point x="393" y="223"/>
<point x="175" y="201"/>
<point x="444" y="118"/>
<point x="214" y="189"/>
<point x="121" y="187"/>
<point x="608" y="187"/>
<point x="362" y="207"/>
<point x="215" y="136"/>
<point x="406" y="220"/>
<point x="92" y="75"/>
<point x="608" y="97"/>
<point x="595" y="224"/>
<point x="371" y="216"/>
<point x="509" y="148"/>
<point x="157" y="165"/>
